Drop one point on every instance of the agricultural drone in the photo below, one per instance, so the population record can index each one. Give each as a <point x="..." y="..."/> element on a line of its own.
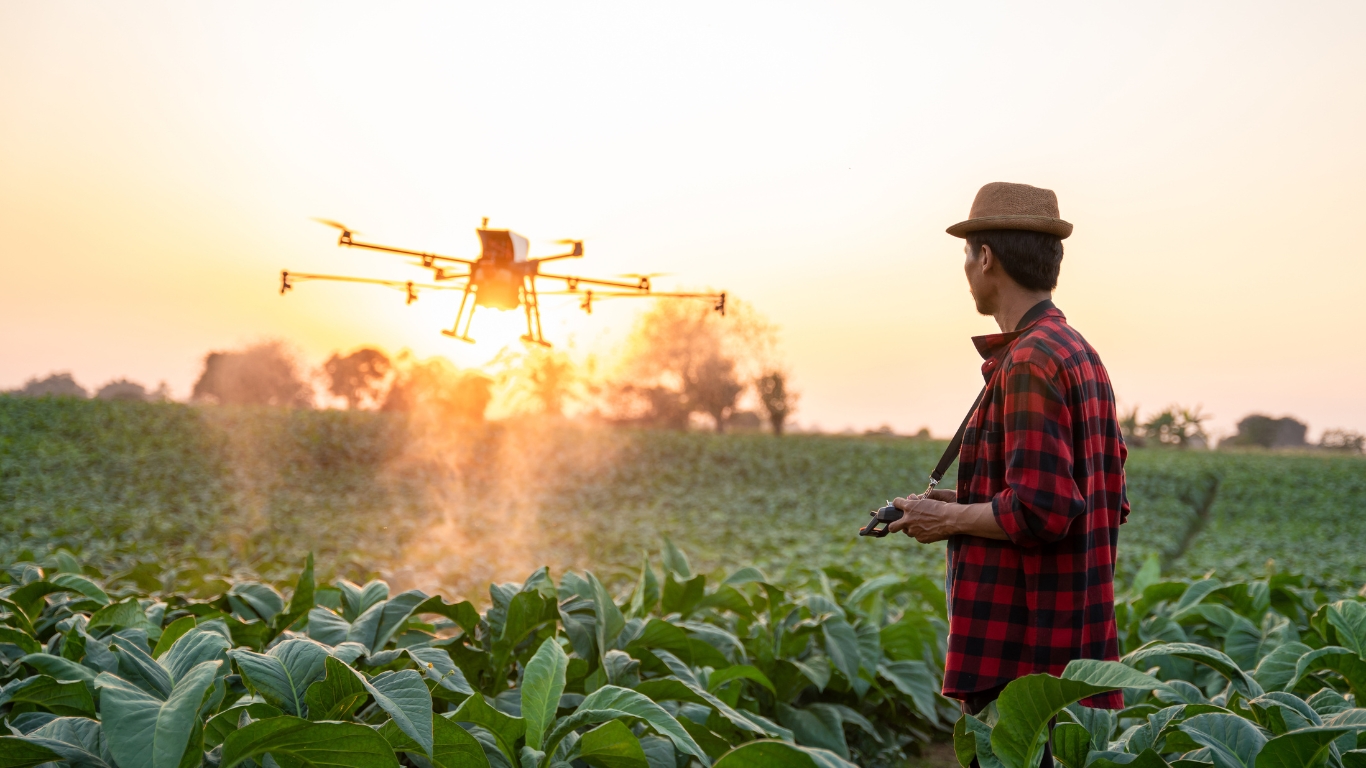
<point x="502" y="277"/>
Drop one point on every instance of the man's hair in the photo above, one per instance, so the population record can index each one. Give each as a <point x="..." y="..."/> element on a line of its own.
<point x="1030" y="258"/>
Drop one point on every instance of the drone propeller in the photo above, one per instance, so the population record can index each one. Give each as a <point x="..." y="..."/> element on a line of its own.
<point x="567" y="241"/>
<point x="639" y="276"/>
<point x="336" y="225"/>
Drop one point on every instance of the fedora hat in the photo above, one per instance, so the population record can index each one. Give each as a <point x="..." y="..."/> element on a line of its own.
<point x="1002" y="205"/>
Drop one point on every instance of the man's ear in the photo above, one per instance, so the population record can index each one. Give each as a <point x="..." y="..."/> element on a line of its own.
<point x="986" y="260"/>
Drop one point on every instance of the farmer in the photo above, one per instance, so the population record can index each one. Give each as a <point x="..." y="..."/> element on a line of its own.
<point x="1033" y="526"/>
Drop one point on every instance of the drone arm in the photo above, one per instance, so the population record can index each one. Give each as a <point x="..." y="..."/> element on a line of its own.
<point x="403" y="251"/>
<point x="287" y="280"/>
<point x="608" y="283"/>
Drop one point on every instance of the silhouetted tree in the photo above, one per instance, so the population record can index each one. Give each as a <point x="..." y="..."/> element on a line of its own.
<point x="1344" y="440"/>
<point x="55" y="385"/>
<point x="702" y="360"/>
<point x="1266" y="432"/>
<point x="438" y="390"/>
<point x="778" y="401"/>
<point x="123" y="389"/>
<point x="358" y="377"/>
<point x="1177" y="427"/>
<point x="264" y="374"/>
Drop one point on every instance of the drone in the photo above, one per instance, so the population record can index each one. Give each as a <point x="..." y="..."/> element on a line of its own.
<point x="502" y="277"/>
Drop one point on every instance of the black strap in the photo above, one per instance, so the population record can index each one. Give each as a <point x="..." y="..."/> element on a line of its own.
<point x="956" y="444"/>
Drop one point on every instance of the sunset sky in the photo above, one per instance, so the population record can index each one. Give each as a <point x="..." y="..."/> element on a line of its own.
<point x="160" y="162"/>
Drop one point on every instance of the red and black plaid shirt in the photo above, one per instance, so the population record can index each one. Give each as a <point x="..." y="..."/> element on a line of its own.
<point x="1044" y="447"/>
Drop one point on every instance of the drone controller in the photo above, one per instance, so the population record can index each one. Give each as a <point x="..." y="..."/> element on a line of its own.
<point x="883" y="517"/>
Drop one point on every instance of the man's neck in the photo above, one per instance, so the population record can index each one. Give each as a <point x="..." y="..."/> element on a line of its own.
<point x="1014" y="306"/>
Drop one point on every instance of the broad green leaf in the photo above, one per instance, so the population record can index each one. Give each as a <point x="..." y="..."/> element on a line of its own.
<point x="542" y="685"/>
<point x="815" y="726"/>
<point x="611" y="702"/>
<point x="841" y="645"/>
<point x="454" y="747"/>
<point x="779" y="754"/>
<point x="1277" y="669"/>
<point x="1071" y="744"/>
<point x="125" y="615"/>
<point x="1145" y="759"/>
<point x="392" y="617"/>
<point x="1331" y="659"/>
<point x="303" y="599"/>
<point x="610" y="619"/>
<point x="138" y="667"/>
<point x="327" y="627"/>
<point x="172" y="633"/>
<point x="675" y="689"/>
<point x="739" y="672"/>
<point x="872" y="586"/>
<point x="612" y="745"/>
<point x="711" y="743"/>
<point x="1233" y="742"/>
<point x="436" y="665"/>
<point x="404" y="696"/>
<point x="1219" y="662"/>
<point x="357" y="600"/>
<point x="195" y="647"/>
<point x="337" y="695"/>
<point x="19" y="752"/>
<point x="220" y="725"/>
<point x="17" y="617"/>
<point x="58" y="668"/>
<point x="80" y="741"/>
<point x="284" y="674"/>
<point x="682" y="597"/>
<point x="59" y="697"/>
<point x="916" y="680"/>
<point x="299" y="742"/>
<point x="462" y="613"/>
<point x="506" y="729"/>
<point x="972" y="741"/>
<point x="254" y="600"/>
<point x="17" y="637"/>
<point x="1027" y="704"/>
<point x="646" y="594"/>
<point x="145" y="731"/>
<point x="1348" y="617"/>
<point x="1303" y="748"/>
<point x="746" y="575"/>
<point x="675" y="561"/>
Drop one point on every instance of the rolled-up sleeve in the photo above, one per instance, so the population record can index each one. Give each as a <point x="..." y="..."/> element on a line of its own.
<point x="1041" y="498"/>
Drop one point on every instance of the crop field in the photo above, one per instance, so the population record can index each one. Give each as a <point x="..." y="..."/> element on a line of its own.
<point x="167" y="489"/>
<point x="707" y="601"/>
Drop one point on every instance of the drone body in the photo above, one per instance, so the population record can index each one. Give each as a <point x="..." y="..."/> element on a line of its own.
<point x="502" y="277"/>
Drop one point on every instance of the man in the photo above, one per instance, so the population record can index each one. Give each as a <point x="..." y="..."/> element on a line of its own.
<point x="1033" y="526"/>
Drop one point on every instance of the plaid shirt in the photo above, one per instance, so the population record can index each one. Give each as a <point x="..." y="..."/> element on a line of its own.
<point x="1044" y="448"/>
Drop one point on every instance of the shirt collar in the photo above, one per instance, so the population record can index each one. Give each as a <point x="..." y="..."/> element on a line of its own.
<point x="988" y="346"/>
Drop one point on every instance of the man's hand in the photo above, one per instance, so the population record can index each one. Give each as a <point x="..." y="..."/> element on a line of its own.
<point x="927" y="518"/>
<point x="935" y="516"/>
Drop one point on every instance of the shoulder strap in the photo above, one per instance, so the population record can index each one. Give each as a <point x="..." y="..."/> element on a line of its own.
<point x="956" y="444"/>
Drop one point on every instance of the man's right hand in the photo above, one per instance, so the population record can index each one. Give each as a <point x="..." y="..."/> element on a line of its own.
<point x="942" y="494"/>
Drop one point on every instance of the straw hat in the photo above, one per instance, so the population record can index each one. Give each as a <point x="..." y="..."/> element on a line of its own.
<point x="1002" y="205"/>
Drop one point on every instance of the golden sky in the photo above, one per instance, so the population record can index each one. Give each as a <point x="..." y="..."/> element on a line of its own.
<point x="159" y="163"/>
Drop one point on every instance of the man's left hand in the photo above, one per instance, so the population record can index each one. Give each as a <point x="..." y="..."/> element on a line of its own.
<point x="926" y="519"/>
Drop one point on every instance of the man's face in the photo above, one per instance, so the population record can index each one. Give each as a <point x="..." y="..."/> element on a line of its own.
<point x="979" y="285"/>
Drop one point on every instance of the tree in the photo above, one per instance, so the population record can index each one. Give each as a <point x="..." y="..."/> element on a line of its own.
<point x="539" y="380"/>
<point x="123" y="389"/>
<point x="55" y="385"/>
<point x="1177" y="427"/>
<point x="777" y="400"/>
<point x="358" y="377"/>
<point x="1344" y="440"/>
<point x="264" y="374"/>
<point x="1266" y="432"/>
<point x="683" y="358"/>
<point x="439" y="391"/>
